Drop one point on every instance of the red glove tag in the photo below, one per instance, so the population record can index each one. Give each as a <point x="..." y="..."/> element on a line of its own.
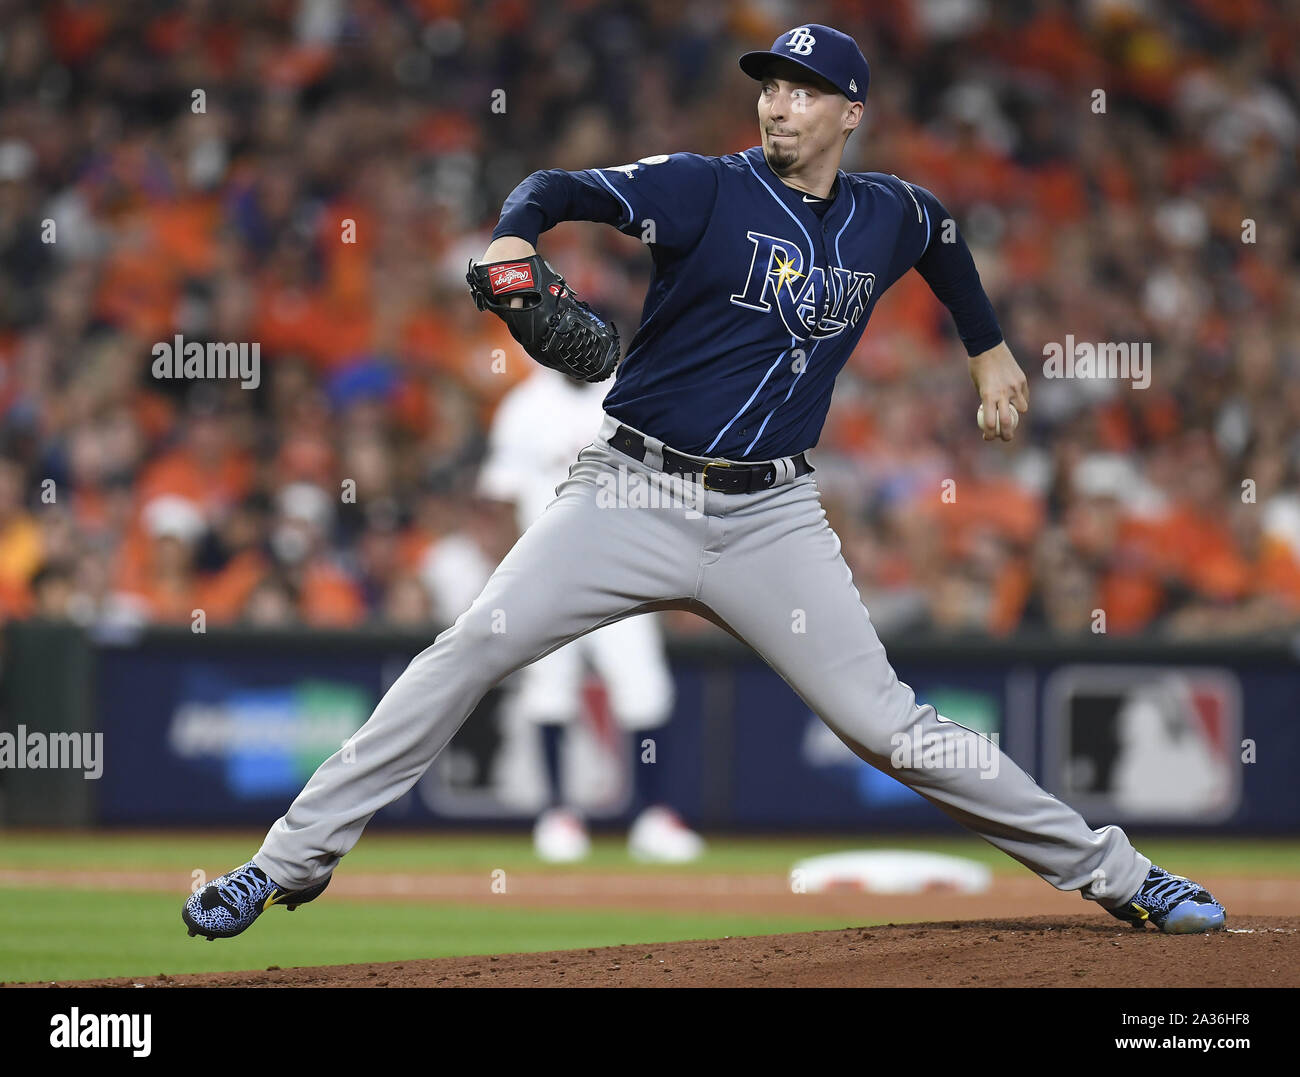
<point x="511" y="277"/>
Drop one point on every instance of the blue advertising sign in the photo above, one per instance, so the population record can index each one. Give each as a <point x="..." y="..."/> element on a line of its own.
<point x="227" y="730"/>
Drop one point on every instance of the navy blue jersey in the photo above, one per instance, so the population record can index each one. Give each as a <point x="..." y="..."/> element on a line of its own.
<point x="756" y="300"/>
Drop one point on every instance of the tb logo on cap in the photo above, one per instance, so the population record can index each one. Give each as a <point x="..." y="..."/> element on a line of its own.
<point x="801" y="41"/>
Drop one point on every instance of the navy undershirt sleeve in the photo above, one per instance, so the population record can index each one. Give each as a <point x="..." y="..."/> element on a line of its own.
<point x="948" y="268"/>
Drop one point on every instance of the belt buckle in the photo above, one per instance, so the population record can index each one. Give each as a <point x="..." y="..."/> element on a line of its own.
<point x="704" y="475"/>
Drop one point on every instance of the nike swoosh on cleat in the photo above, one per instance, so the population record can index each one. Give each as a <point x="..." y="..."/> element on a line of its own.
<point x="271" y="899"/>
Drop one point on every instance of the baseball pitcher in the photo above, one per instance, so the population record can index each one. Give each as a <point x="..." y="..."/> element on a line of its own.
<point x="698" y="491"/>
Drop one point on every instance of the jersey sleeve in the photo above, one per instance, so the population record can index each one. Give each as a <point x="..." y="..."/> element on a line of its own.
<point x="929" y="242"/>
<point x="664" y="201"/>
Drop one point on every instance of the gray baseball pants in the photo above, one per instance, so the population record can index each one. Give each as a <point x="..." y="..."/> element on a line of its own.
<point x="622" y="538"/>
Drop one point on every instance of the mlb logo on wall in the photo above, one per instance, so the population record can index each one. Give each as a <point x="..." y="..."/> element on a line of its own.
<point x="1144" y="743"/>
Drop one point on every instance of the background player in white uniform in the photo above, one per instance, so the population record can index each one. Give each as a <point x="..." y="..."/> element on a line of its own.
<point x="539" y="428"/>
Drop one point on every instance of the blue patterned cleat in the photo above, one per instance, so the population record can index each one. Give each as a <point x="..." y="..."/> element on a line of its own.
<point x="230" y="904"/>
<point x="1177" y="906"/>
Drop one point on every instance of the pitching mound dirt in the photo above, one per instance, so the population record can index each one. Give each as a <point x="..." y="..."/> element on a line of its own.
<point x="1041" y="951"/>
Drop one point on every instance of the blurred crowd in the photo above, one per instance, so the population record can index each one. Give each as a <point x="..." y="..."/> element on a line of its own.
<point x="313" y="176"/>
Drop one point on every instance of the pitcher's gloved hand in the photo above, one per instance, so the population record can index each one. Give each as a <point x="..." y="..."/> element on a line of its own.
<point x="552" y="325"/>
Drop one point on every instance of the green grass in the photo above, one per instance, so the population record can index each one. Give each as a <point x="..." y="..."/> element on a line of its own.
<point x="71" y="935"/>
<point x="50" y="933"/>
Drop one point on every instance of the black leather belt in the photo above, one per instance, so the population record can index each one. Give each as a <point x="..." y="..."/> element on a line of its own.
<point x="718" y="475"/>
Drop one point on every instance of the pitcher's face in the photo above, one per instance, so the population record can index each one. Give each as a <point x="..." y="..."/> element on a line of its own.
<point x="800" y="118"/>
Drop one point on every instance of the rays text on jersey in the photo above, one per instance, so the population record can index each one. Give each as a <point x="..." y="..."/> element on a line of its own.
<point x="777" y="275"/>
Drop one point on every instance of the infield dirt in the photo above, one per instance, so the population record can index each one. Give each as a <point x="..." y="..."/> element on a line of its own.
<point x="1039" y="951"/>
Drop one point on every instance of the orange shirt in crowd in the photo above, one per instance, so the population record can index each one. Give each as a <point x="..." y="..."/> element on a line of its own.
<point x="1011" y="591"/>
<point x="211" y="487"/>
<point x="157" y="247"/>
<point x="1276" y="572"/>
<point x="20" y="549"/>
<point x="167" y="605"/>
<point x="1000" y="504"/>
<point x="227" y="590"/>
<point x="20" y="558"/>
<point x="291" y="321"/>
<point x="1205" y="553"/>
<point x="1130" y="598"/>
<point x="329" y="599"/>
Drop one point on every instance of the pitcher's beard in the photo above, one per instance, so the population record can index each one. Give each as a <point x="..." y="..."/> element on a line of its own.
<point x="780" y="160"/>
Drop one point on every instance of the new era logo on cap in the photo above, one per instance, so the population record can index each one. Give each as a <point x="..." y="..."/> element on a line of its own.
<point x="511" y="277"/>
<point x="853" y="85"/>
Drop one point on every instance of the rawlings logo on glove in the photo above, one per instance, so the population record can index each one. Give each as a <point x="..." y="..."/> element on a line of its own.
<point x="510" y="277"/>
<point x="552" y="325"/>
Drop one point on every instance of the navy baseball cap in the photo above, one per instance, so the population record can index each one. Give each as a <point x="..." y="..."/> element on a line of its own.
<point x="823" y="51"/>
